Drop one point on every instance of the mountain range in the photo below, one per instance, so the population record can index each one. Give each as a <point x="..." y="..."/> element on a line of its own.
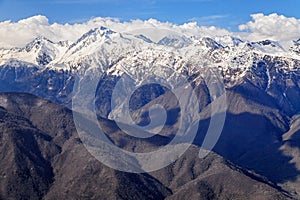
<point x="256" y="156"/>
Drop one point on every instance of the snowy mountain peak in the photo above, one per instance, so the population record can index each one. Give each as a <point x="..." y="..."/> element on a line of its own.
<point x="208" y="43"/>
<point x="37" y="44"/>
<point x="228" y="40"/>
<point x="94" y="34"/>
<point x="41" y="51"/>
<point x="175" y="41"/>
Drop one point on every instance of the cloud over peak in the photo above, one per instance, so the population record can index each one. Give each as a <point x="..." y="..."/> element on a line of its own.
<point x="17" y="34"/>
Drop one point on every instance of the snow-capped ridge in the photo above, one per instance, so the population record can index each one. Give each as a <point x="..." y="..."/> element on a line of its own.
<point x="93" y="35"/>
<point x="146" y="39"/>
<point x="297" y="42"/>
<point x="65" y="43"/>
<point x="270" y="43"/>
<point x="102" y="47"/>
<point x="295" y="48"/>
<point x="270" y="47"/>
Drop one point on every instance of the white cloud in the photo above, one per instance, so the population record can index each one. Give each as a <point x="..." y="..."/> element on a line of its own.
<point x="275" y="27"/>
<point x="17" y="34"/>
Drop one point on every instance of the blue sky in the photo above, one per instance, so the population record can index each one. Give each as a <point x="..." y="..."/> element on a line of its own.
<point x="222" y="13"/>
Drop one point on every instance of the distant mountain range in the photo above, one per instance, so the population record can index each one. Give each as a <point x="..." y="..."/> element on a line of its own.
<point x="256" y="157"/>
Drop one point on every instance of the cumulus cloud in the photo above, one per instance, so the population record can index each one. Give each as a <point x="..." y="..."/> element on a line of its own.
<point x="275" y="27"/>
<point x="17" y="34"/>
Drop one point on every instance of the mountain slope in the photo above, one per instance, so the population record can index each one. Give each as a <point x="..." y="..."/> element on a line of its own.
<point x="54" y="163"/>
<point x="42" y="156"/>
